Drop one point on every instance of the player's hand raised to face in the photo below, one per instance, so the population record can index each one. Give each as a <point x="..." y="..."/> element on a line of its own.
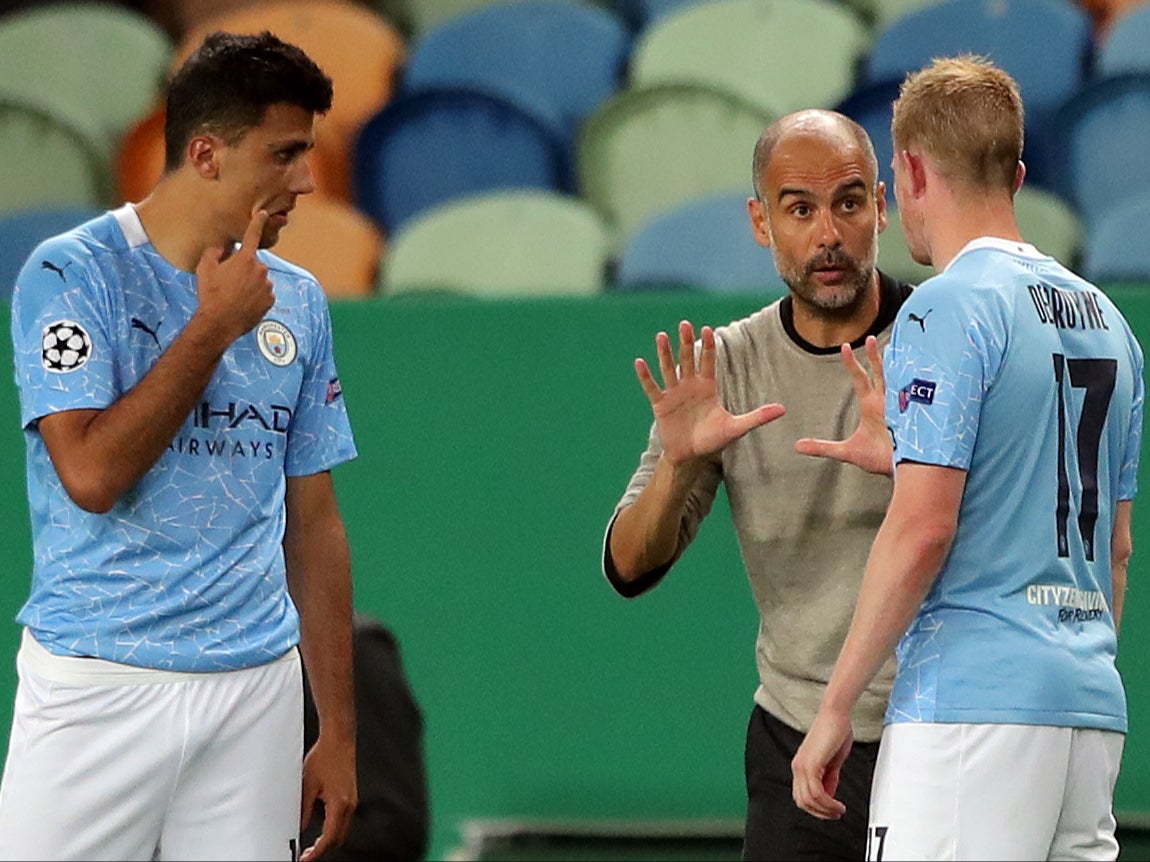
<point x="234" y="290"/>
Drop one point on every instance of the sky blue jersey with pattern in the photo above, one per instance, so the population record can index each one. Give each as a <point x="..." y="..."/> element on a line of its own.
<point x="186" y="571"/>
<point x="1012" y="368"/>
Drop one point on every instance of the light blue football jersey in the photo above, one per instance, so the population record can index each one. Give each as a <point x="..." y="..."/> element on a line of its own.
<point x="186" y="572"/>
<point x="1010" y="367"/>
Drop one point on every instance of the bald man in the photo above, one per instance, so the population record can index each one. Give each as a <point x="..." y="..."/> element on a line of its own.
<point x="804" y="525"/>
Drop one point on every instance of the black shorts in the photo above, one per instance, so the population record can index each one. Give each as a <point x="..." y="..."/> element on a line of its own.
<point x="776" y="827"/>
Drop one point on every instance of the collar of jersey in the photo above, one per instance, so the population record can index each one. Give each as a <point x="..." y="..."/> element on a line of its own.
<point x="997" y="243"/>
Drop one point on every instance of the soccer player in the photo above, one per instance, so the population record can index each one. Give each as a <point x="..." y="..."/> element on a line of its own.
<point x="181" y="411"/>
<point x="1014" y="397"/>
<point x="804" y="525"/>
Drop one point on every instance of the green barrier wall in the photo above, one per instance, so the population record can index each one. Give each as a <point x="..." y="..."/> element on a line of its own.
<point x="495" y="438"/>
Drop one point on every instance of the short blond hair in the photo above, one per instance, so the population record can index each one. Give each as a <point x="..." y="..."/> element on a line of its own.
<point x="967" y="114"/>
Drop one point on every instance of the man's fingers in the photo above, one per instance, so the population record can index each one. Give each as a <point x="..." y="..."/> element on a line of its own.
<point x="255" y="232"/>
<point x="666" y="359"/>
<point x="858" y="374"/>
<point x="875" y="358"/>
<point x="759" y="416"/>
<point x="810" y="796"/>
<point x="820" y="448"/>
<point x="686" y="349"/>
<point x="707" y="355"/>
<point x="647" y="381"/>
<point x="211" y="257"/>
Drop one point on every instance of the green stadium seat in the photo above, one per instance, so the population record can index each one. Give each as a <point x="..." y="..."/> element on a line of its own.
<point x="50" y="159"/>
<point x="100" y="63"/>
<point x="502" y="243"/>
<point x="649" y="149"/>
<point x="782" y="55"/>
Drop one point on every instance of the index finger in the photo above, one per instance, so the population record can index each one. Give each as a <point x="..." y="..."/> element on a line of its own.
<point x="255" y="231"/>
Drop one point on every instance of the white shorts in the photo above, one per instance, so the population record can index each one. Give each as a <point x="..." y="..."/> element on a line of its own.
<point x="994" y="791"/>
<point x="107" y="761"/>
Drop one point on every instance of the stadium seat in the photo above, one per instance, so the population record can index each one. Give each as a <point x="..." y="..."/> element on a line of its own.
<point x="22" y="230"/>
<point x="650" y="149"/>
<point x="50" y="159"/>
<point x="360" y="50"/>
<point x="339" y="245"/>
<point x="639" y="14"/>
<point x="429" y="147"/>
<point x="879" y="13"/>
<point x="705" y="244"/>
<point x="779" y="54"/>
<point x="869" y="105"/>
<point x="1126" y="47"/>
<point x="1044" y="220"/>
<point x="1044" y="44"/>
<point x="559" y="57"/>
<point x="1049" y="223"/>
<point x="503" y="243"/>
<point x="1104" y="130"/>
<point x="417" y="17"/>
<point x="100" y="63"/>
<point x="140" y="158"/>
<point x="1116" y="250"/>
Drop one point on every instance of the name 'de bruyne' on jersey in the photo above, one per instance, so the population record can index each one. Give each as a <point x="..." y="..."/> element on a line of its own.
<point x="1067" y="309"/>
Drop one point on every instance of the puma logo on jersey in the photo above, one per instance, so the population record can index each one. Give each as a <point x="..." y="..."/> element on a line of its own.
<point x="139" y="324"/>
<point x="59" y="270"/>
<point x="921" y="321"/>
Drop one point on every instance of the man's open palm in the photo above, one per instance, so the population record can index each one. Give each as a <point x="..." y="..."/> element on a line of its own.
<point x="690" y="420"/>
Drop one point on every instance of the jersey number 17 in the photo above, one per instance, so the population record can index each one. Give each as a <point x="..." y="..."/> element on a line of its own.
<point x="1097" y="377"/>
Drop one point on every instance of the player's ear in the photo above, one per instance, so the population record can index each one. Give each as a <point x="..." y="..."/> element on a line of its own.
<point x="880" y="205"/>
<point x="203" y="155"/>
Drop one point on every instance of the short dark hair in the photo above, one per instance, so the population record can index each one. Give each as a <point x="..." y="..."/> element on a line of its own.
<point x="227" y="84"/>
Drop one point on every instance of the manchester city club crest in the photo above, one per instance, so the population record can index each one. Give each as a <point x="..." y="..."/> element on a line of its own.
<point x="276" y="342"/>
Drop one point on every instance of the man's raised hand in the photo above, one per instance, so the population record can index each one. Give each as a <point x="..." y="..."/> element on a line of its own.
<point x="692" y="424"/>
<point x="869" y="447"/>
<point x="234" y="289"/>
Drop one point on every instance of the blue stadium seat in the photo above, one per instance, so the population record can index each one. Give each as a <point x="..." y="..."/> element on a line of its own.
<point x="428" y="147"/>
<point x="22" y="230"/>
<point x="559" y="56"/>
<point x="1104" y="129"/>
<point x="1044" y="44"/>
<point x="706" y="244"/>
<point x="1127" y="45"/>
<point x="869" y="105"/>
<point x="1116" y="249"/>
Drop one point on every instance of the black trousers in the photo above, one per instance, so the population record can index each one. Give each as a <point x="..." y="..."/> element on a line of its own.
<point x="777" y="829"/>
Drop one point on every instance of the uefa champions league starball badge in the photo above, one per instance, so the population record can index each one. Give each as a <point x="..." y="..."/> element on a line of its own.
<point x="65" y="346"/>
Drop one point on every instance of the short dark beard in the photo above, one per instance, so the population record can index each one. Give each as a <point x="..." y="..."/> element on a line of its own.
<point x="848" y="298"/>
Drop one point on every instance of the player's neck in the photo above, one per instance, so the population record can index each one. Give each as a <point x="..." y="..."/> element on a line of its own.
<point x="962" y="217"/>
<point x="179" y="227"/>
